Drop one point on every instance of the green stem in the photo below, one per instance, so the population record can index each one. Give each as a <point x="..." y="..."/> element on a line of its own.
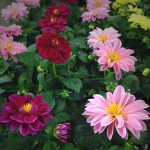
<point x="54" y="70"/>
<point x="68" y="68"/>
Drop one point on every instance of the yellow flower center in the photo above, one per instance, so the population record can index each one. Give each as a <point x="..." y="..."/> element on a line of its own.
<point x="55" y="11"/>
<point x="27" y="107"/>
<point x="103" y="38"/>
<point x="98" y="3"/>
<point x="94" y="12"/>
<point x="114" y="57"/>
<point x="54" y="40"/>
<point x="9" y="46"/>
<point x="52" y="18"/>
<point x="14" y="10"/>
<point x="114" y="110"/>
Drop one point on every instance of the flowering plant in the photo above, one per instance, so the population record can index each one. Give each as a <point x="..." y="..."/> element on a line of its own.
<point x="75" y="75"/>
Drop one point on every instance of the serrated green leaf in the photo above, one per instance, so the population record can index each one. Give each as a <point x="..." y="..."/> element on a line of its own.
<point x="73" y="83"/>
<point x="3" y="66"/>
<point x="62" y="117"/>
<point x="5" y="78"/>
<point x="29" y="58"/>
<point x="48" y="96"/>
<point x="32" y="48"/>
<point x="83" y="56"/>
<point x="131" y="82"/>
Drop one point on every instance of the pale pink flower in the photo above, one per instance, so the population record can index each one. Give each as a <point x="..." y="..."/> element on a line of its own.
<point x="93" y="4"/>
<point x="99" y="36"/>
<point x="117" y="57"/>
<point x="30" y="3"/>
<point x="9" y="47"/>
<point x="91" y="16"/>
<point x="16" y="11"/>
<point x="12" y="30"/>
<point x="119" y="110"/>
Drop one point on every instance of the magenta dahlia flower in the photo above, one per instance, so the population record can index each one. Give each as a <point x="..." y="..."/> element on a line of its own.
<point x="119" y="110"/>
<point x="115" y="56"/>
<point x="27" y="114"/>
<point x="99" y="36"/>
<point x="62" y="132"/>
<point x="16" y="11"/>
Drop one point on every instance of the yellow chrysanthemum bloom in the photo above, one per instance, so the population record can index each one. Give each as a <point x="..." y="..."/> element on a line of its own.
<point x="135" y="10"/>
<point x="122" y="12"/>
<point x="138" y="19"/>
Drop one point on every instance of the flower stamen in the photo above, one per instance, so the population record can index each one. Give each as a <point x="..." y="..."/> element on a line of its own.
<point x="27" y="107"/>
<point x="103" y="38"/>
<point x="114" y="110"/>
<point x="114" y="57"/>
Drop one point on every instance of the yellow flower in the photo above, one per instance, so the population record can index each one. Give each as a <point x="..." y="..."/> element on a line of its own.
<point x="116" y="5"/>
<point x="135" y="10"/>
<point x="138" y="19"/>
<point x="124" y="2"/>
<point x="122" y="12"/>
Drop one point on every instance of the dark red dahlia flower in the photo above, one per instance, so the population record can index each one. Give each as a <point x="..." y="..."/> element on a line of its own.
<point x="62" y="132"/>
<point x="25" y="113"/>
<point x="55" y="18"/>
<point x="66" y="1"/>
<point x="53" y="46"/>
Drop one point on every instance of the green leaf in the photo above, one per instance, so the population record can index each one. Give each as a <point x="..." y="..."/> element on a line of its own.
<point x="68" y="146"/>
<point x="3" y="66"/>
<point x="73" y="83"/>
<point x="48" y="145"/>
<point x="32" y="48"/>
<point x="40" y="78"/>
<point x="29" y="58"/>
<point x="115" y="147"/>
<point x="131" y="82"/>
<point x="48" y="96"/>
<point x="62" y="117"/>
<point x="79" y="42"/>
<point x="146" y="90"/>
<point x="5" y="78"/>
<point x="60" y="105"/>
<point x="2" y="91"/>
<point x="83" y="56"/>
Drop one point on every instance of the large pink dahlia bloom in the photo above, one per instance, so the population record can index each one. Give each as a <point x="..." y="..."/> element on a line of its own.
<point x="12" y="30"/>
<point x="115" y="56"/>
<point x="25" y="113"/>
<point x="92" y="15"/>
<point x="99" y="36"/>
<point x="30" y="3"/>
<point x="16" y="11"/>
<point x="93" y="4"/>
<point x="9" y="47"/>
<point x="119" y="110"/>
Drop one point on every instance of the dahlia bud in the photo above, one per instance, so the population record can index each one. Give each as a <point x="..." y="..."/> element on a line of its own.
<point x="40" y="69"/>
<point x="62" y="132"/>
<point x="91" y="26"/>
<point x="146" y="72"/>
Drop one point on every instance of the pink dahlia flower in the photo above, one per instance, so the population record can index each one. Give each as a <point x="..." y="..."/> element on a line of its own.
<point x="91" y="16"/>
<point x="62" y="132"/>
<point x="56" y="18"/>
<point x="9" y="47"/>
<point x="15" y="11"/>
<point x="115" y="56"/>
<point x="12" y="30"/>
<point x="25" y="113"/>
<point x="30" y="3"/>
<point x="119" y="110"/>
<point x="93" y="4"/>
<point x="99" y="36"/>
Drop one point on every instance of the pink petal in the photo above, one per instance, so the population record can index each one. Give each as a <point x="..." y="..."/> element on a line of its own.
<point x="122" y="131"/>
<point x="37" y="100"/>
<point x="120" y="120"/>
<point x="105" y="121"/>
<point x="18" y="118"/>
<point x="110" y="131"/>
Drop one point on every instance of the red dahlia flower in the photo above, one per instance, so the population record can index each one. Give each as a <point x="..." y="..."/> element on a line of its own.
<point x="27" y="114"/>
<point x="54" y="47"/>
<point x="56" y="18"/>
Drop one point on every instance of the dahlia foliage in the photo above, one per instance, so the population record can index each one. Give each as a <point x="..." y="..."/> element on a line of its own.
<point x="74" y="75"/>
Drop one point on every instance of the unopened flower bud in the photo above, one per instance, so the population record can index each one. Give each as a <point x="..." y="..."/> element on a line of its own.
<point x="40" y="69"/>
<point x="146" y="72"/>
